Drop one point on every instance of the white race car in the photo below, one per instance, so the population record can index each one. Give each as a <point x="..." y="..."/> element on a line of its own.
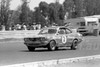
<point x="53" y="38"/>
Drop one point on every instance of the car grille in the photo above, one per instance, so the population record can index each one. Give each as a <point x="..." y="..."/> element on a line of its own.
<point x="35" y="39"/>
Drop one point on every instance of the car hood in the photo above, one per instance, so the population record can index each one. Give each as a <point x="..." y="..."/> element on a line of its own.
<point x="43" y="35"/>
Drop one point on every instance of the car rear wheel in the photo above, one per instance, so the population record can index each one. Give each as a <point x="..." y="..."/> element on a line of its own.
<point x="31" y="48"/>
<point x="74" y="44"/>
<point x="52" y="45"/>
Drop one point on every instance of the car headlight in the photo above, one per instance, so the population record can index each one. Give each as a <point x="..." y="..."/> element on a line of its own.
<point x="26" y="39"/>
<point x="80" y="35"/>
<point x="43" y="38"/>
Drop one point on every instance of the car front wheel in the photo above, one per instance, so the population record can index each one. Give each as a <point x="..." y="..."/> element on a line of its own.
<point x="31" y="48"/>
<point x="52" y="45"/>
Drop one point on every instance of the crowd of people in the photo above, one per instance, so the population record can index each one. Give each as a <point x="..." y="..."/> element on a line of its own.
<point x="24" y="27"/>
<point x="21" y="27"/>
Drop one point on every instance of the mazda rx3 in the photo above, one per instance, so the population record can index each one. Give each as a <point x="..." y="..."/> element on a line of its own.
<point x="53" y="38"/>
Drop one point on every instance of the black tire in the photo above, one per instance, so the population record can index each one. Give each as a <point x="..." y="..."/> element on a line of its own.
<point x="74" y="45"/>
<point x="52" y="45"/>
<point x="56" y="48"/>
<point x="31" y="48"/>
<point x="99" y="32"/>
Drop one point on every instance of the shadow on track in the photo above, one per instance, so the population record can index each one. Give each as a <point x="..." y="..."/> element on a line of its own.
<point x="45" y="50"/>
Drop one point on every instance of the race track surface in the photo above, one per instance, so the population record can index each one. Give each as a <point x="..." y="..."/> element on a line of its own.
<point x="17" y="52"/>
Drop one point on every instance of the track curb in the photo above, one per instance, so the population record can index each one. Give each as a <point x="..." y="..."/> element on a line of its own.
<point x="54" y="62"/>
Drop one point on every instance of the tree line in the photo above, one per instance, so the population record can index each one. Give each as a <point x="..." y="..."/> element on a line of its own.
<point x="46" y="14"/>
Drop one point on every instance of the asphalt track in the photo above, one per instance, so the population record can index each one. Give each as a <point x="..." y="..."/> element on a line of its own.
<point x="16" y="52"/>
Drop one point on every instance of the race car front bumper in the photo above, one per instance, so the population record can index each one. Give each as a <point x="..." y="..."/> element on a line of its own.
<point x="36" y="43"/>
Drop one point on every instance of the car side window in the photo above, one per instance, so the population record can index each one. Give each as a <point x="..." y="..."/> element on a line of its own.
<point x="68" y="31"/>
<point x="61" y="31"/>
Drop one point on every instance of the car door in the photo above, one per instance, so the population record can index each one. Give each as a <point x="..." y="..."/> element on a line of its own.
<point x="62" y="37"/>
<point x="69" y="37"/>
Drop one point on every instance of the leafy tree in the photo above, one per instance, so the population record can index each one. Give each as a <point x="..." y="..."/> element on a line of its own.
<point x="39" y="18"/>
<point x="56" y="13"/>
<point x="61" y="13"/>
<point x="10" y="18"/>
<point x="4" y="12"/>
<point x="92" y="7"/>
<point x="80" y="7"/>
<point x="15" y="17"/>
<point x="44" y="8"/>
<point x="75" y="8"/>
<point x="52" y="13"/>
<point x="97" y="10"/>
<point x="25" y="10"/>
<point x="69" y="7"/>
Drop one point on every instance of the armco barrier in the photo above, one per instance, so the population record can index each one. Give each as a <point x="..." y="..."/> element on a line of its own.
<point x="50" y="63"/>
<point x="18" y="34"/>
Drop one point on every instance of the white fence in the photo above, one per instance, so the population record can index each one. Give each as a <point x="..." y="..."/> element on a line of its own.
<point x="18" y="34"/>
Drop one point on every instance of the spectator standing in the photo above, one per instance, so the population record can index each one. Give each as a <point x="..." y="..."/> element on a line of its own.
<point x="34" y="27"/>
<point x="24" y="26"/>
<point x="39" y="26"/>
<point x="3" y="28"/>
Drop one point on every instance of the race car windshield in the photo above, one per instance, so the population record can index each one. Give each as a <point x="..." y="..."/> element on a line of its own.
<point x="48" y="31"/>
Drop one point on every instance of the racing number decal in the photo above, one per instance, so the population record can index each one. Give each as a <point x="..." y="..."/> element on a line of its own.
<point x="64" y="39"/>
